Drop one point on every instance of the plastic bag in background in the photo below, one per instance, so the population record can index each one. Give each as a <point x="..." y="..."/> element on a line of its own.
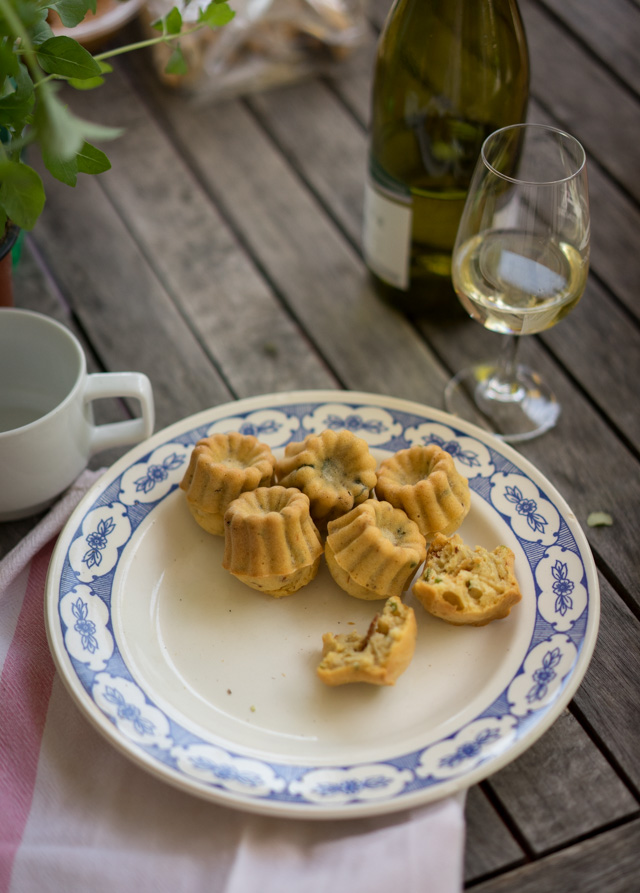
<point x="268" y="43"/>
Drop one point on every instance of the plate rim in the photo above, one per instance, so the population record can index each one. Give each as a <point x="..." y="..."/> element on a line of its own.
<point x="306" y="809"/>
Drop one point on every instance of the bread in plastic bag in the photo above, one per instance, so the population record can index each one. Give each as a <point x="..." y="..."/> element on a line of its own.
<point x="268" y="43"/>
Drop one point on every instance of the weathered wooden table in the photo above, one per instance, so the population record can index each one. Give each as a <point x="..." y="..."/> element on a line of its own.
<point x="221" y="256"/>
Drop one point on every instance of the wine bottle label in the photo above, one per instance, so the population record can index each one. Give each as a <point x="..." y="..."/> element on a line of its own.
<point x="386" y="237"/>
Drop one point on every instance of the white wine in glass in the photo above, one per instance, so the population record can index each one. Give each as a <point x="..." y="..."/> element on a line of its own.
<point x="520" y="264"/>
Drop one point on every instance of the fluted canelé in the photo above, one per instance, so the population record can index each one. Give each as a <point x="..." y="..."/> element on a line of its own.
<point x="222" y="467"/>
<point x="271" y="542"/>
<point x="374" y="550"/>
<point x="424" y="482"/>
<point x="334" y="468"/>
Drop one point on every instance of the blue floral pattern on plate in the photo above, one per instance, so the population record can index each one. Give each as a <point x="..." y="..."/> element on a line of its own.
<point x="555" y="660"/>
<point x="213" y="765"/>
<point x="86" y="618"/>
<point x="472" y="458"/>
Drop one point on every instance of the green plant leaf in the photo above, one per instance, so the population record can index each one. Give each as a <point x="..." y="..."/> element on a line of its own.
<point x="173" y="21"/>
<point x="21" y="193"/>
<point x="91" y="83"/>
<point x="41" y="32"/>
<point x="64" y="170"/>
<point x="92" y="160"/>
<point x="13" y="110"/>
<point x="30" y="13"/>
<point x="8" y="63"/>
<point x="88" y="84"/>
<point x="176" y="63"/>
<point x="17" y="99"/>
<point x="64" y="56"/>
<point x="216" y="14"/>
<point x="89" y="160"/>
<point x="23" y="83"/>
<point x="72" y="12"/>
<point x="60" y="133"/>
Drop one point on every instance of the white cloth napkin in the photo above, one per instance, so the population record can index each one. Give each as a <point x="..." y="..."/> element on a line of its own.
<point x="76" y="815"/>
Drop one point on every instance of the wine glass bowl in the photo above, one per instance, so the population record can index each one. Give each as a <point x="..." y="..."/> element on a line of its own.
<point x="520" y="264"/>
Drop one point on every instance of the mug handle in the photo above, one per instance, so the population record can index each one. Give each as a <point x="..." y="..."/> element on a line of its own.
<point x="120" y="384"/>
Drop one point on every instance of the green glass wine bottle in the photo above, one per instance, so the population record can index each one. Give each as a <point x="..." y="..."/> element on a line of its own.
<point x="448" y="73"/>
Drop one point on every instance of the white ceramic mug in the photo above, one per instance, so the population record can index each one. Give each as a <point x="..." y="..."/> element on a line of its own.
<point x="47" y="434"/>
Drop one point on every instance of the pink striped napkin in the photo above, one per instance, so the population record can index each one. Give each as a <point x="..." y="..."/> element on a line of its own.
<point x="76" y="815"/>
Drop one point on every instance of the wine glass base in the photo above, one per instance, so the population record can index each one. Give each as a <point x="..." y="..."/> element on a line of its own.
<point x="525" y="409"/>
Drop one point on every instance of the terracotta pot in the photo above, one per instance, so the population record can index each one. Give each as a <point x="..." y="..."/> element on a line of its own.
<point x="96" y="29"/>
<point x="6" y="265"/>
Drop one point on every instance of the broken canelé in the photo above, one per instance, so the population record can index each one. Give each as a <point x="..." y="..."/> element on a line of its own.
<point x="467" y="586"/>
<point x="379" y="657"/>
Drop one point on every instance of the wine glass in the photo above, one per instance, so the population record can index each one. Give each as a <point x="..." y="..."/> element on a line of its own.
<point x="520" y="264"/>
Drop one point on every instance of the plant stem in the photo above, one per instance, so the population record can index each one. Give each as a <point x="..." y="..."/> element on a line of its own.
<point x="118" y="51"/>
<point x="142" y="44"/>
<point x="20" y="33"/>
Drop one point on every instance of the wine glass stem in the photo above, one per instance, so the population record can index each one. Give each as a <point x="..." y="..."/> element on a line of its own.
<point x="503" y="384"/>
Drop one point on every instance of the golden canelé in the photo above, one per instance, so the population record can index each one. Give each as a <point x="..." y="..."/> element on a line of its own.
<point x="374" y="550"/>
<point x="222" y="467"/>
<point x="270" y="540"/>
<point x="424" y="482"/>
<point x="334" y="468"/>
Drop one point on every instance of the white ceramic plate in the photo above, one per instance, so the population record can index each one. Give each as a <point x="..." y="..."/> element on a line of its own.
<point x="211" y="685"/>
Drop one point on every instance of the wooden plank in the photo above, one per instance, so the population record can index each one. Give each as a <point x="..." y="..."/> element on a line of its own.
<point x="489" y="847"/>
<point x="319" y="137"/>
<point x="615" y="220"/>
<point x="119" y="301"/>
<point x="321" y="279"/>
<point x="285" y="138"/>
<point x="229" y="306"/>
<point x="580" y="93"/>
<point x="608" y="696"/>
<point x="353" y="79"/>
<point x="611" y="31"/>
<point x="607" y="862"/>
<point x="601" y="346"/>
<point x="544" y="792"/>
